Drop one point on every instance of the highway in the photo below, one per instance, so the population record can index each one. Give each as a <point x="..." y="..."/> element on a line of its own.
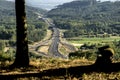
<point x="53" y="43"/>
<point x="53" y="49"/>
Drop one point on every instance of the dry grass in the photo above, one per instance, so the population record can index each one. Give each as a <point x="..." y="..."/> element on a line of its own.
<point x="102" y="76"/>
<point x="77" y="45"/>
<point x="62" y="49"/>
<point x="43" y="49"/>
<point x="40" y="65"/>
<point x="48" y="36"/>
<point x="44" y="64"/>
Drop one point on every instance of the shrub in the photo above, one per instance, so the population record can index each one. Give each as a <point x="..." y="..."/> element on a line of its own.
<point x="80" y="54"/>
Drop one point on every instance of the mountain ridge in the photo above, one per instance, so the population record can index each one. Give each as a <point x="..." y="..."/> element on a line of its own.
<point x="87" y="17"/>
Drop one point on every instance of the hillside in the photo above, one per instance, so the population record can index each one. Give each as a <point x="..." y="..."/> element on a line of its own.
<point x="7" y="8"/>
<point x="87" y="17"/>
<point x="36" y="27"/>
<point x="8" y="21"/>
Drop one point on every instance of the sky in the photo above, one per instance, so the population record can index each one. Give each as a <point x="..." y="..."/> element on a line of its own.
<point x="48" y="4"/>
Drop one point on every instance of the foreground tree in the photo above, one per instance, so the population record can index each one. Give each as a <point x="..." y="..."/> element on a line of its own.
<point x="22" y="58"/>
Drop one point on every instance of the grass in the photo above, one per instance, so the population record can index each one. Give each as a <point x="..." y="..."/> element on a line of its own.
<point x="48" y="35"/>
<point x="40" y="65"/>
<point x="47" y="64"/>
<point x="94" y="40"/>
<point x="62" y="49"/>
<point x="101" y="76"/>
<point x="43" y="49"/>
<point x="53" y="63"/>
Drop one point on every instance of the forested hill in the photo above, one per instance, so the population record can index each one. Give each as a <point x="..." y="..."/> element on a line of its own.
<point x="36" y="27"/>
<point x="87" y="9"/>
<point x="7" y="8"/>
<point x="87" y="17"/>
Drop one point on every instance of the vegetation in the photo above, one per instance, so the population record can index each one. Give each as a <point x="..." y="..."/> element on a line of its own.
<point x="89" y="50"/>
<point x="53" y="64"/>
<point x="90" y="18"/>
<point x="94" y="25"/>
<point x="90" y="23"/>
<point x="36" y="27"/>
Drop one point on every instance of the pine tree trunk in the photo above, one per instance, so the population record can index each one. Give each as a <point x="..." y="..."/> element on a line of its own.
<point x="22" y="58"/>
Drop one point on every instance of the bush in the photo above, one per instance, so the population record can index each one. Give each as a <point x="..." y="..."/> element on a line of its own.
<point x="80" y="54"/>
<point x="9" y="55"/>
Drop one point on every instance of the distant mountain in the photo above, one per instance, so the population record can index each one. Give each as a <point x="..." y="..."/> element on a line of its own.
<point x="7" y="8"/>
<point x="8" y="5"/>
<point x="45" y="4"/>
<point x="84" y="16"/>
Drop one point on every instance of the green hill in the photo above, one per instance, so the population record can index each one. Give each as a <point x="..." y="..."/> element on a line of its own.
<point x="8" y="20"/>
<point x="87" y="17"/>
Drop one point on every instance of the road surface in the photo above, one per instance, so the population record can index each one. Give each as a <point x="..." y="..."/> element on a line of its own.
<point x="53" y="47"/>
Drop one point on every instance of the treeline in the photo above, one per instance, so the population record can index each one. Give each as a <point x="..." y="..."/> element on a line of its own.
<point x="37" y="31"/>
<point x="36" y="28"/>
<point x="87" y="17"/>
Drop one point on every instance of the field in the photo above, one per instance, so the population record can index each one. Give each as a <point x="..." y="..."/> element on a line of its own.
<point x="80" y="41"/>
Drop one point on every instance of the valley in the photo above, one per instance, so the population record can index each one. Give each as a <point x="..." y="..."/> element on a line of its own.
<point x="64" y="43"/>
<point x="50" y="47"/>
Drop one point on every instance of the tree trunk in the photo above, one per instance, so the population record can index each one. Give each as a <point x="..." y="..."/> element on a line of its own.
<point x="22" y="58"/>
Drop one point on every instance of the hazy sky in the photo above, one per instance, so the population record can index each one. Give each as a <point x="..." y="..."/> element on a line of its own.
<point x="49" y="4"/>
<point x="55" y="1"/>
